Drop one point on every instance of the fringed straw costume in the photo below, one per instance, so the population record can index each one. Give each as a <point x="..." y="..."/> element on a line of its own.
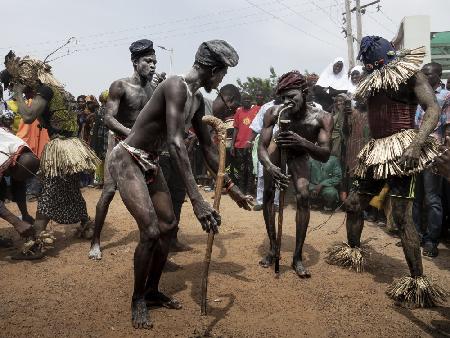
<point x="64" y="156"/>
<point x="391" y="111"/>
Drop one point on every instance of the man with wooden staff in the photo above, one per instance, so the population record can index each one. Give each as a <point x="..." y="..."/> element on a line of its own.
<point x="309" y="135"/>
<point x="175" y="104"/>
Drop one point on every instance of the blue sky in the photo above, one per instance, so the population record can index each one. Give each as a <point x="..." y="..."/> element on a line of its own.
<point x="286" y="34"/>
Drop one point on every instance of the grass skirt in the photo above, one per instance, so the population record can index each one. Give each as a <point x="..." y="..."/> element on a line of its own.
<point x="67" y="156"/>
<point x="380" y="156"/>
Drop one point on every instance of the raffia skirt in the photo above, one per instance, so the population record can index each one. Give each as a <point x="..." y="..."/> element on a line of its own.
<point x="62" y="161"/>
<point x="380" y="157"/>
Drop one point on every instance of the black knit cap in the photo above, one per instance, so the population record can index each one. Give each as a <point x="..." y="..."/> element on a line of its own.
<point x="216" y="53"/>
<point x="140" y="48"/>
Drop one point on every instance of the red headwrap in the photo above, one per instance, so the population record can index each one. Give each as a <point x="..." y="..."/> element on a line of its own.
<point x="291" y="80"/>
<point x="312" y="76"/>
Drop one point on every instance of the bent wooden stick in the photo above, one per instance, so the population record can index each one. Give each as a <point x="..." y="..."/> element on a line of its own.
<point x="283" y="124"/>
<point x="221" y="131"/>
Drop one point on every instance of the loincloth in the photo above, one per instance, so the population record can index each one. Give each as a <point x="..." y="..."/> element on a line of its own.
<point x="379" y="158"/>
<point x="67" y="156"/>
<point x="11" y="147"/>
<point x="148" y="162"/>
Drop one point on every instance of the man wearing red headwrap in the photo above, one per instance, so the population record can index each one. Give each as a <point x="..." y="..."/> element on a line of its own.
<point x="308" y="134"/>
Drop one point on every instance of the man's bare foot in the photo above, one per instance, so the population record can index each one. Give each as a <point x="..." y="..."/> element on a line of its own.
<point x="301" y="270"/>
<point x="267" y="261"/>
<point x="159" y="299"/>
<point x="139" y="314"/>
<point x="95" y="253"/>
<point x="177" y="246"/>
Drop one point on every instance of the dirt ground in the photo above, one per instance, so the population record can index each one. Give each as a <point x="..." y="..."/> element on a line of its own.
<point x="68" y="295"/>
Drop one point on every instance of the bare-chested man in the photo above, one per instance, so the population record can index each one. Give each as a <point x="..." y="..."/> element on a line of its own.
<point x="309" y="135"/>
<point x="126" y="99"/>
<point x="134" y="167"/>
<point x="392" y="86"/>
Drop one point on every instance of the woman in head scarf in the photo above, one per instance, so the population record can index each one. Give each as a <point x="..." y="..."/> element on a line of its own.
<point x="332" y="81"/>
<point x="354" y="77"/>
<point x="334" y="76"/>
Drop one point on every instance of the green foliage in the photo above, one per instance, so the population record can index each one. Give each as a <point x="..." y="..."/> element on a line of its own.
<point x="253" y="85"/>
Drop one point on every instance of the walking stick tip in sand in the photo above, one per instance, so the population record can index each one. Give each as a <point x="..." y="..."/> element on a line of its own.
<point x="220" y="129"/>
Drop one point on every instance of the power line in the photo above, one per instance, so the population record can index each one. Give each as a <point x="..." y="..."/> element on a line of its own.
<point x="307" y="19"/>
<point x="387" y="17"/>
<point x="171" y="22"/>
<point x="379" y="23"/>
<point x="289" y="24"/>
<point x="327" y="14"/>
<point x="95" y="43"/>
<point x="173" y="35"/>
<point x="155" y="34"/>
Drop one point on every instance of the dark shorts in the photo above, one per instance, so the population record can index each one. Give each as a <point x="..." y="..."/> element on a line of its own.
<point x="402" y="187"/>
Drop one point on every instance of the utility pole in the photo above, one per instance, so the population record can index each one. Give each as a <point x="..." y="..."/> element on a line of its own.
<point x="348" y="20"/>
<point x="360" y="10"/>
<point x="170" y="50"/>
<point x="358" y="22"/>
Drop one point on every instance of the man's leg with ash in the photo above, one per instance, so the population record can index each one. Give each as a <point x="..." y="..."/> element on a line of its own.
<point x="349" y="254"/>
<point x="101" y="210"/>
<point x="418" y="209"/>
<point x="177" y="193"/>
<point x="402" y="214"/>
<point x="355" y="204"/>
<point x="135" y="195"/>
<point x="268" y="207"/>
<point x="299" y="169"/>
<point x="415" y="290"/>
<point x="168" y="226"/>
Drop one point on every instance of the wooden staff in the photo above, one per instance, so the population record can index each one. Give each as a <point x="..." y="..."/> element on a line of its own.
<point x="284" y="126"/>
<point x="221" y="131"/>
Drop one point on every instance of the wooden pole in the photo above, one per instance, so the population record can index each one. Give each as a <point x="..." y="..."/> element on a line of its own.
<point x="348" y="18"/>
<point x="221" y="131"/>
<point x="358" y="22"/>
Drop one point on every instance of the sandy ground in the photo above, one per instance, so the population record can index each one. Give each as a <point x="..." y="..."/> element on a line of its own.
<point x="68" y="295"/>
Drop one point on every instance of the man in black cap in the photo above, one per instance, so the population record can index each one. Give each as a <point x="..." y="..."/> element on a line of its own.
<point x="175" y="105"/>
<point x="126" y="98"/>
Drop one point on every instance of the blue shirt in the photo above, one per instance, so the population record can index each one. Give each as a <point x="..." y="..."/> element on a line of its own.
<point x="441" y="96"/>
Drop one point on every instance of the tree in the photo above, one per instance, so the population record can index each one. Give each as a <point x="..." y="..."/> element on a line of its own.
<point x="266" y="86"/>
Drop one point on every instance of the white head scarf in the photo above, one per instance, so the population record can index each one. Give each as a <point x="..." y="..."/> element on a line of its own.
<point x="336" y="81"/>
<point x="351" y="85"/>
